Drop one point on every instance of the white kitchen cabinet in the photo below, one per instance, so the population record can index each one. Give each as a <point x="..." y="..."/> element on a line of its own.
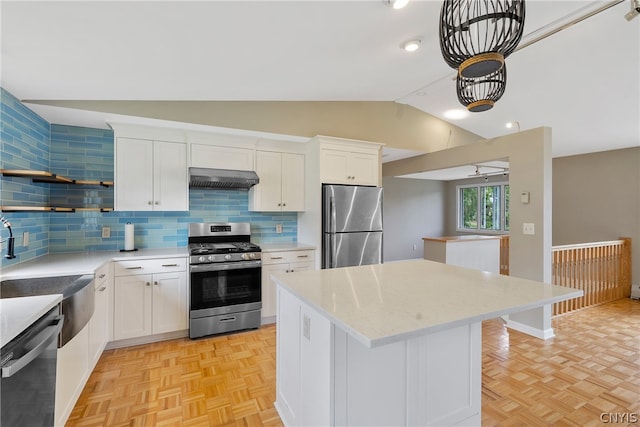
<point x="72" y="372"/>
<point x="151" y="175"/>
<point x="304" y="367"/>
<point x="220" y="157"/>
<point x="150" y="297"/>
<point x="281" y="187"/>
<point x="99" y="323"/>
<point x="347" y="167"/>
<point x="280" y="262"/>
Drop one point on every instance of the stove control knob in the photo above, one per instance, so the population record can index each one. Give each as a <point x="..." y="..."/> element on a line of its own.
<point x="244" y="256"/>
<point x="252" y="255"/>
<point x="201" y="259"/>
<point x="210" y="258"/>
<point x="227" y="257"/>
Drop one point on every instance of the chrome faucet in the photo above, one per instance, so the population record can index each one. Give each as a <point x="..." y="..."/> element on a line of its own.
<point x="10" y="246"/>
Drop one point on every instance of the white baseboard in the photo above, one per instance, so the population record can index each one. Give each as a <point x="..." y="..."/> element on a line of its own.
<point x="543" y="334"/>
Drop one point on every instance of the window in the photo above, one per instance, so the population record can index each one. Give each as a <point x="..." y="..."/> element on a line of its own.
<point x="483" y="207"/>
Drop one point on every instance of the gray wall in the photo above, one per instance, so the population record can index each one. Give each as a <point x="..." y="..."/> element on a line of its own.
<point x="412" y="209"/>
<point x="596" y="197"/>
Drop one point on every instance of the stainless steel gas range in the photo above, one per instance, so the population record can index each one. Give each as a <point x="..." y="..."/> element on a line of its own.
<point x="226" y="280"/>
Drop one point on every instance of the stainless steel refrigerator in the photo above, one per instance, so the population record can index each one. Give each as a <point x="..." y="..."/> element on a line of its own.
<point x="351" y="225"/>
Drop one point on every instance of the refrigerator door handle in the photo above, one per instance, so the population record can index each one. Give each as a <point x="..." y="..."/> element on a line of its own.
<point x="332" y="250"/>
<point x="332" y="214"/>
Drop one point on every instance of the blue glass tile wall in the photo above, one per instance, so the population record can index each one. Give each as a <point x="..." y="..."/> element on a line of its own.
<point x="86" y="153"/>
<point x="24" y="144"/>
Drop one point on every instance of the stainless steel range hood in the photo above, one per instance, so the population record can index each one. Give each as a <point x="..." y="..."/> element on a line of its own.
<point x="223" y="179"/>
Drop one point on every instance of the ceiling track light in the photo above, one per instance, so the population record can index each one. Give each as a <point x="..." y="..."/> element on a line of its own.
<point x="635" y="10"/>
<point x="396" y="4"/>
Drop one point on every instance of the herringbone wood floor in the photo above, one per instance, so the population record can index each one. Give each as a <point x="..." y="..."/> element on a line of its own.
<point x="591" y="367"/>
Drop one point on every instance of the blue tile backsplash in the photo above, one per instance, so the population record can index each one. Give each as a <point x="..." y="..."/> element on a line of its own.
<point x="30" y="142"/>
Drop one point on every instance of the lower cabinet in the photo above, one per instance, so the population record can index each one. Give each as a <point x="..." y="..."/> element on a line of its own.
<point x="153" y="303"/>
<point x="72" y="372"/>
<point x="303" y="347"/>
<point x="280" y="262"/>
<point x="99" y="323"/>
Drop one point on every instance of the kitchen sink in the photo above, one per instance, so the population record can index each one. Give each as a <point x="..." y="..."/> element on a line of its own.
<point x="77" y="298"/>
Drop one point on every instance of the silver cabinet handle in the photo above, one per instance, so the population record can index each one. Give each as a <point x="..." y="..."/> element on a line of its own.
<point x="102" y="289"/>
<point x="149" y="202"/>
<point x="157" y="203"/>
<point x="228" y="319"/>
<point x="101" y="276"/>
<point x="135" y="268"/>
<point x="148" y="284"/>
<point x="170" y="265"/>
<point x="276" y="257"/>
<point x="303" y="256"/>
<point x="155" y="283"/>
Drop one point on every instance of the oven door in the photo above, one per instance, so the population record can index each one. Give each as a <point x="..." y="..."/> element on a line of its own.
<point x="225" y="288"/>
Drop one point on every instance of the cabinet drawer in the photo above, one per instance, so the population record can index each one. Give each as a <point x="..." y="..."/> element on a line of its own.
<point x="287" y="256"/>
<point x="101" y="275"/>
<point x="148" y="266"/>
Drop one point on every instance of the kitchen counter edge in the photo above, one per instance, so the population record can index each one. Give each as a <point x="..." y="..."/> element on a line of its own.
<point x="72" y="263"/>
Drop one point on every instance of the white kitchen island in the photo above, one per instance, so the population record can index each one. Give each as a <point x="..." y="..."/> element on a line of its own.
<point x="390" y="344"/>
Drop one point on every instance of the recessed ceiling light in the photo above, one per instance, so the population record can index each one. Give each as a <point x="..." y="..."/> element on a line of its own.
<point x="397" y="4"/>
<point x="456" y="114"/>
<point x="512" y="125"/>
<point x="411" y="45"/>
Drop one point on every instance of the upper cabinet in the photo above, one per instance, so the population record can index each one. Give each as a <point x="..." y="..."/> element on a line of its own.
<point x="281" y="187"/>
<point x="349" y="162"/>
<point x="150" y="175"/>
<point x="220" y="157"/>
<point x="346" y="167"/>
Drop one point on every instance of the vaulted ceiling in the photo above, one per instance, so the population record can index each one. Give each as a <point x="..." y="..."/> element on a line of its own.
<point x="582" y="81"/>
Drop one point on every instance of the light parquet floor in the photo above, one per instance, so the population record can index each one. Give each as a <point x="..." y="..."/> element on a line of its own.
<point x="591" y="367"/>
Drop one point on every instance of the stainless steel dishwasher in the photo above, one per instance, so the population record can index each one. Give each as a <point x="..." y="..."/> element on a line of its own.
<point x="28" y="381"/>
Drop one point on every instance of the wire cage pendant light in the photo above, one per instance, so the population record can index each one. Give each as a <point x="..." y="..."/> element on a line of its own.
<point x="480" y="94"/>
<point x="477" y="35"/>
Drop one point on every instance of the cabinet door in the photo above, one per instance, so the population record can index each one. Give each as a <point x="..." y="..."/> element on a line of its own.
<point x="363" y="168"/>
<point x="333" y="166"/>
<point x="269" y="288"/>
<point x="292" y="182"/>
<point x="267" y="195"/>
<point x="171" y="181"/>
<point x="288" y="360"/>
<point x="132" y="306"/>
<point x="169" y="302"/>
<point x="301" y="266"/>
<point x="133" y="175"/>
<point x="98" y="326"/>
<point x="213" y="156"/>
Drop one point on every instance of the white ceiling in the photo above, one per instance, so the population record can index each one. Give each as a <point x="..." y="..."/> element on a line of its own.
<point x="582" y="82"/>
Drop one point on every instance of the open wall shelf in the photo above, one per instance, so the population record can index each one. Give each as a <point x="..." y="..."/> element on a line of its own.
<point x="51" y="178"/>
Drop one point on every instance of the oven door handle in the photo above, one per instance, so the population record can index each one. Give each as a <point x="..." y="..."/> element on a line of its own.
<point x="202" y="268"/>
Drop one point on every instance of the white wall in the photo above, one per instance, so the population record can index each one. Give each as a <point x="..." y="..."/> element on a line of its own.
<point x="412" y="209"/>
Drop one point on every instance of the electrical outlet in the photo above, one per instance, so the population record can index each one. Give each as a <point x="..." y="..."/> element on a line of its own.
<point x="106" y="232"/>
<point x="414" y="247"/>
<point x="278" y="228"/>
<point x="528" y="228"/>
<point x="25" y="238"/>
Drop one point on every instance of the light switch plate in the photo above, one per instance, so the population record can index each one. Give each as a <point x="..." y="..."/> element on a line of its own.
<point x="278" y="228"/>
<point x="106" y="232"/>
<point x="528" y="228"/>
<point x="524" y="197"/>
<point x="25" y="238"/>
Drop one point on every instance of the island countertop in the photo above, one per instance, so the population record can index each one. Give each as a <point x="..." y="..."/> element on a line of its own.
<point x="384" y="303"/>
